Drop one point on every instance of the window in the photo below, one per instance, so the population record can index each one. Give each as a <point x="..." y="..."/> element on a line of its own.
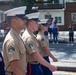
<point x="47" y="16"/>
<point x="58" y="19"/>
<point x="56" y="1"/>
<point x="2" y="17"/>
<point x="74" y="18"/>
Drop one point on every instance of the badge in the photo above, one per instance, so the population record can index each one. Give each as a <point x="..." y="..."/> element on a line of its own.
<point x="42" y="39"/>
<point x="11" y="48"/>
<point x="30" y="45"/>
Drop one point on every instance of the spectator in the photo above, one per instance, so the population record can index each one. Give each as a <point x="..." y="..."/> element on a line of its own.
<point x="71" y="34"/>
<point x="55" y="32"/>
<point x="51" y="25"/>
<point x="46" y="34"/>
<point x="2" y="71"/>
<point x="5" y="25"/>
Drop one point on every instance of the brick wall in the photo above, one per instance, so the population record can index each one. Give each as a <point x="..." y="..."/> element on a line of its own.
<point x="70" y="8"/>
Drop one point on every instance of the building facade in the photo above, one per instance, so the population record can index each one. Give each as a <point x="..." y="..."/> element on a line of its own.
<point x="70" y="15"/>
<point x="4" y="5"/>
<point x="64" y="13"/>
<point x="62" y="10"/>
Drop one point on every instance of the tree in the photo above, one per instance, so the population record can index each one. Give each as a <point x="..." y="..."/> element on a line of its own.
<point x="31" y="2"/>
<point x="28" y="2"/>
<point x="50" y="1"/>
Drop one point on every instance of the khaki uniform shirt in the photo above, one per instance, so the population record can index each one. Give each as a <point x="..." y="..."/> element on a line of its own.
<point x="43" y="42"/>
<point x="31" y="44"/>
<point x="14" y="49"/>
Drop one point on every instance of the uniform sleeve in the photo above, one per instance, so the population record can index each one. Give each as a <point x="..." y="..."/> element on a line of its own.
<point x="31" y="46"/>
<point x="12" y="51"/>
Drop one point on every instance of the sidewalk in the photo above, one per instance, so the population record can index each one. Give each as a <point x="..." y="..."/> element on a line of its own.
<point x="63" y="73"/>
<point x="66" y="56"/>
<point x="65" y="66"/>
<point x="63" y="37"/>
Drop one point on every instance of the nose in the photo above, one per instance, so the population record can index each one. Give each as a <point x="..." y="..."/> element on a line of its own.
<point x="25" y="21"/>
<point x="37" y="24"/>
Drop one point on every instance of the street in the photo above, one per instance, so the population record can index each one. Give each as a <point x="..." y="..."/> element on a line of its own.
<point x="66" y="58"/>
<point x="64" y="52"/>
<point x="63" y="73"/>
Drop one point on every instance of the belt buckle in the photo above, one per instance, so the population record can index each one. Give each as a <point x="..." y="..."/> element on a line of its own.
<point x="35" y="62"/>
<point x="9" y="73"/>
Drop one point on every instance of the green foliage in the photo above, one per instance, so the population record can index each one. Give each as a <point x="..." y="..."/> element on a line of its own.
<point x="42" y="1"/>
<point x="28" y="2"/>
<point x="31" y="2"/>
<point x="50" y="1"/>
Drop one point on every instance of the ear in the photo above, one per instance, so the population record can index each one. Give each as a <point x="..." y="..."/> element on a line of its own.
<point x="14" y="21"/>
<point x="31" y="22"/>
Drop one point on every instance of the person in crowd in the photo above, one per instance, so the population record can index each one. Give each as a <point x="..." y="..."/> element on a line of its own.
<point x="71" y="34"/>
<point x="46" y="31"/>
<point x="46" y="34"/>
<point x="55" y="32"/>
<point x="14" y="51"/>
<point x="2" y="70"/>
<point x="51" y="25"/>
<point x="33" y="55"/>
<point x="5" y="25"/>
<point x="44" y="47"/>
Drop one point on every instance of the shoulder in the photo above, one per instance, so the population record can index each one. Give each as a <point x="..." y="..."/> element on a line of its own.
<point x="25" y="35"/>
<point x="10" y="42"/>
<point x="39" y="37"/>
<point x="8" y="38"/>
<point x="9" y="45"/>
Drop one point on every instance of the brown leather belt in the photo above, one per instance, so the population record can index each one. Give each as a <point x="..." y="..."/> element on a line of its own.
<point x="34" y="62"/>
<point x="10" y="73"/>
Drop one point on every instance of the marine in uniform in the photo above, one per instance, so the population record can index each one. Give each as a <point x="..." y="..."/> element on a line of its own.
<point x="44" y="46"/>
<point x="14" y="51"/>
<point x="33" y="56"/>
